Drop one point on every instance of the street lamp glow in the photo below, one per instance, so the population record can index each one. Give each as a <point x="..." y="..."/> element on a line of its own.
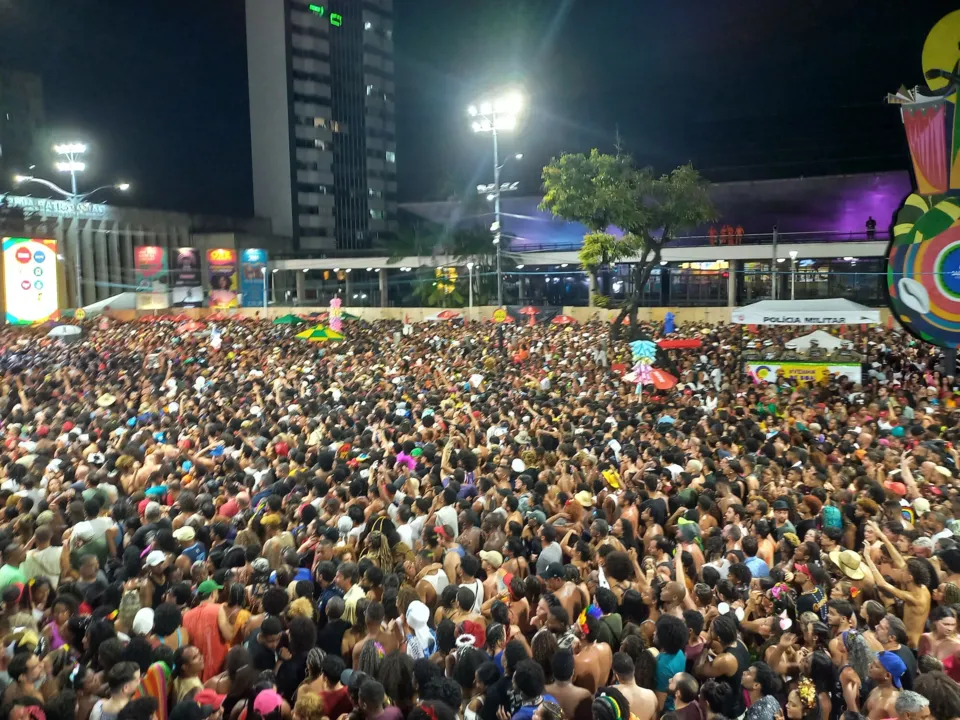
<point x="486" y="108"/>
<point x="70" y="149"/>
<point x="469" y="266"/>
<point x="477" y="127"/>
<point x="518" y="156"/>
<point x="122" y="187"/>
<point x="275" y="270"/>
<point x="472" y="110"/>
<point x="520" y="266"/>
<point x="793" y="254"/>
<point x="491" y="197"/>
<point x="71" y="166"/>
<point x="20" y="179"/>
<point x="369" y="269"/>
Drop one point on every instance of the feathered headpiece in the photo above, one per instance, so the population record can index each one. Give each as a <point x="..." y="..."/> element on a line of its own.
<point x="591" y="611"/>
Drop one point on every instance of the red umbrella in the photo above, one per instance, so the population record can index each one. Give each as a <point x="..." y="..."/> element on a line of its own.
<point x="182" y="317"/>
<point x="532" y="312"/>
<point x="217" y="316"/>
<point x="192" y="326"/>
<point x="563" y="320"/>
<point x="662" y="380"/>
<point x="448" y="315"/>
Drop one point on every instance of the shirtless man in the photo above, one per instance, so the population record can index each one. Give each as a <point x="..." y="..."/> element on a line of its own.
<point x="885" y="671"/>
<point x="643" y="702"/>
<point x="566" y="592"/>
<point x="575" y="701"/>
<point x="374" y="615"/>
<point x="916" y="595"/>
<point x="593" y="661"/>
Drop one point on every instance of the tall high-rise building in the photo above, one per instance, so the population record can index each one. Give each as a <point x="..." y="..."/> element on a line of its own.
<point x="21" y="116"/>
<point x="322" y="120"/>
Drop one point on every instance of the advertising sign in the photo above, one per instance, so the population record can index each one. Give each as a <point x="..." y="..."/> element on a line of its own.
<point x="803" y="372"/>
<point x="253" y="264"/>
<point x="186" y="281"/>
<point x="186" y="267"/>
<point x="150" y="268"/>
<point x="223" y="278"/>
<point x="30" y="280"/>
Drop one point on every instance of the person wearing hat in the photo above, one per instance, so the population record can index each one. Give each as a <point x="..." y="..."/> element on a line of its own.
<point x="781" y="518"/>
<point x="190" y="546"/>
<point x="491" y="562"/>
<point x="885" y="671"/>
<point x="209" y="628"/>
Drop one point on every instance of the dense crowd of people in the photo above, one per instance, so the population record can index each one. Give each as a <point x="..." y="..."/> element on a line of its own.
<point x="435" y="522"/>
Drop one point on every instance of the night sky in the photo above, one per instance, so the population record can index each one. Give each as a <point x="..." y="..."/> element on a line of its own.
<point x="745" y="90"/>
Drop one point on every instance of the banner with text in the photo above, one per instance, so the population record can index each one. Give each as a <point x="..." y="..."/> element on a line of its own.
<point x="223" y="278"/>
<point x="803" y="372"/>
<point x="253" y="268"/>
<point x="187" y="282"/>
<point x="150" y="268"/>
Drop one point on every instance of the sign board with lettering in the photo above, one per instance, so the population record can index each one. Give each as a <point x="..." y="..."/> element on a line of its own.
<point x="805" y="312"/>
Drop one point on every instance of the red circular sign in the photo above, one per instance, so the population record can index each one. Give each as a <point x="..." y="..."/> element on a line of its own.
<point x="24" y="255"/>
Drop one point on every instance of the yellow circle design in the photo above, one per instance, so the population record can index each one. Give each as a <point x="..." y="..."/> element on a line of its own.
<point x="941" y="51"/>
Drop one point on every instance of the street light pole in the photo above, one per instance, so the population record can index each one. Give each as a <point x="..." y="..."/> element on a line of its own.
<point x="72" y="164"/>
<point x="263" y="271"/>
<point x="470" y="286"/>
<point x="496" y="214"/>
<point x="492" y="117"/>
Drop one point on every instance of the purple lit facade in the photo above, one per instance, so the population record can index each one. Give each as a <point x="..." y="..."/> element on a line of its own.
<point x="828" y="208"/>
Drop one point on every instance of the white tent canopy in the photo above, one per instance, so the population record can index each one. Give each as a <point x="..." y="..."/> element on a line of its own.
<point x="823" y="340"/>
<point x="805" y="312"/>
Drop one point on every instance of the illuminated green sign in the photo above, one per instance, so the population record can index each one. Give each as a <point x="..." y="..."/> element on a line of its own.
<point x="336" y="19"/>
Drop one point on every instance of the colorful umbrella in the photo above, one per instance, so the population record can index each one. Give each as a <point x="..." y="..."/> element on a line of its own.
<point x="319" y="334"/>
<point x="288" y="320"/>
<point x="219" y="315"/>
<point x="563" y="320"/>
<point x="662" y="380"/>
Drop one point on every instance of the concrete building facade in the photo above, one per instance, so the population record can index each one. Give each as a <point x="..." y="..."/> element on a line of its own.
<point x="322" y="120"/>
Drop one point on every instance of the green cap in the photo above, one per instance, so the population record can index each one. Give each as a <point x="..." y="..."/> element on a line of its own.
<point x="208" y="586"/>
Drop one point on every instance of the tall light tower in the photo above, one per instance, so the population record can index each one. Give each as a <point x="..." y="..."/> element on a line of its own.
<point x="73" y="164"/>
<point x="495" y="116"/>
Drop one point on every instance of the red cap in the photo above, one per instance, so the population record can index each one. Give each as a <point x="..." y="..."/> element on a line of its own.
<point x="209" y="697"/>
<point x="68" y="426"/>
<point x="281" y="449"/>
<point x="43" y="430"/>
<point x="896" y="487"/>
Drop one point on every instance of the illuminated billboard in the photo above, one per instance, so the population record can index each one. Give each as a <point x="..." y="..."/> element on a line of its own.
<point x="30" y="280"/>
<point x="222" y="265"/>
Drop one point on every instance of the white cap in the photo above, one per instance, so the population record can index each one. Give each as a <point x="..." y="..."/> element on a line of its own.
<point x="155" y="558"/>
<point x="143" y="621"/>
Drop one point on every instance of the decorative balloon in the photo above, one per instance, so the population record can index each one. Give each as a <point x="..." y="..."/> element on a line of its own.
<point x="336" y="315"/>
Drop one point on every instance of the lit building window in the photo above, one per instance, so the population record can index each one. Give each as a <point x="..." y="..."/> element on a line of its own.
<point x="320" y="122"/>
<point x="368" y="25"/>
<point x="391" y="156"/>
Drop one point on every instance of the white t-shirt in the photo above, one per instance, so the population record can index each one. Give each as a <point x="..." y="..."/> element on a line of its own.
<point x="447" y="515"/>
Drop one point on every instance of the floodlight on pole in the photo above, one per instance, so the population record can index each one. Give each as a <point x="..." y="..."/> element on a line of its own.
<point x="72" y="163"/>
<point x="496" y="115"/>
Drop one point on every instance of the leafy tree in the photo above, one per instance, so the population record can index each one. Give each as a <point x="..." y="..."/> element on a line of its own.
<point x="604" y="191"/>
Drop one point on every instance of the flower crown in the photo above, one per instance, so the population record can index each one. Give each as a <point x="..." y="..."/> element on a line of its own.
<point x="807" y="692"/>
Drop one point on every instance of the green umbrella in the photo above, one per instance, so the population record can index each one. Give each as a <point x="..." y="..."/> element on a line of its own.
<point x="319" y="334"/>
<point x="288" y="320"/>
